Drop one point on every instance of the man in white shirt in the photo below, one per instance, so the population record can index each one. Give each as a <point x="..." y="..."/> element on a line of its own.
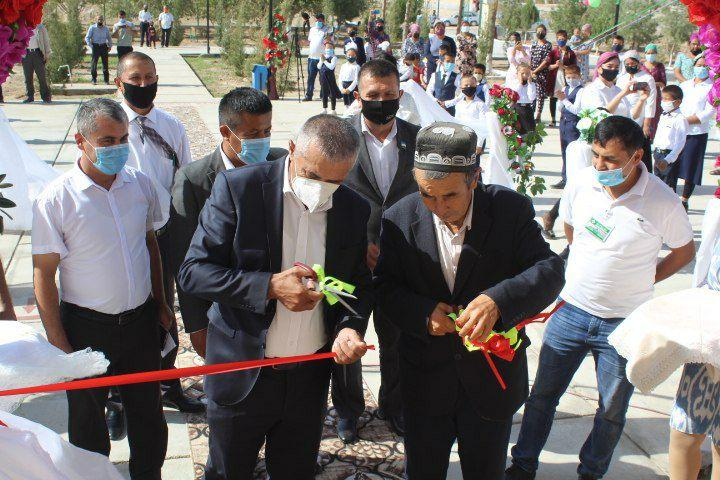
<point x="145" y="19"/>
<point x="36" y="57"/>
<point x="158" y="147"/>
<point x="641" y="80"/>
<point x="95" y="223"/>
<point x="316" y="48"/>
<point x="166" y="20"/>
<point x="254" y="229"/>
<point x="617" y="218"/>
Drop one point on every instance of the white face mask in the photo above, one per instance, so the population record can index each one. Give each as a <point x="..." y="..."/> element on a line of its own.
<point x="312" y="193"/>
<point x="667" y="106"/>
<point x="465" y="29"/>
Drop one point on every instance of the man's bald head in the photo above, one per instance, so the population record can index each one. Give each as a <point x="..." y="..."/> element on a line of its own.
<point x="132" y="58"/>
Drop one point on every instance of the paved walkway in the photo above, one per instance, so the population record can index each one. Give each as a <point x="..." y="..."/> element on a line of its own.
<point x="642" y="453"/>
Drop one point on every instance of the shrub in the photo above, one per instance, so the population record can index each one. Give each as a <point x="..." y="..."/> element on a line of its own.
<point x="66" y="39"/>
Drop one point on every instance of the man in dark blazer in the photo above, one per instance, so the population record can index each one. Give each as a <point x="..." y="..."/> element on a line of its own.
<point x="259" y="221"/>
<point x="245" y="114"/>
<point x="383" y="175"/>
<point x="459" y="244"/>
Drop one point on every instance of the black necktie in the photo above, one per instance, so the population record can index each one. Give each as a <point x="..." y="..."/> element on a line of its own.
<point x="154" y="137"/>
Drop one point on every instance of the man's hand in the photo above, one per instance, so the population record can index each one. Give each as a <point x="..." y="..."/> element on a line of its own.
<point x="647" y="130"/>
<point x="199" y="341"/>
<point x="661" y="165"/>
<point x="166" y="316"/>
<point x="439" y="323"/>
<point x="373" y="252"/>
<point x="61" y="342"/>
<point x="348" y="346"/>
<point x="287" y="287"/>
<point x="479" y="318"/>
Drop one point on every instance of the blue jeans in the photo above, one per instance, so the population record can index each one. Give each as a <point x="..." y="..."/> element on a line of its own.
<point x="569" y="336"/>
<point x="312" y="75"/>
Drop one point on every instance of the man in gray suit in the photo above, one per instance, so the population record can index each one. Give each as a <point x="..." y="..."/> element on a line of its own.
<point x="383" y="175"/>
<point x="245" y="125"/>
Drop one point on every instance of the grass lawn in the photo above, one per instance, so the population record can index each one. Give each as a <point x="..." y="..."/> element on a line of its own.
<point x="81" y="73"/>
<point x="216" y="74"/>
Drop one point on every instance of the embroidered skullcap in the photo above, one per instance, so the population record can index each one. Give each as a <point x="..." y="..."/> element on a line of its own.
<point x="446" y="147"/>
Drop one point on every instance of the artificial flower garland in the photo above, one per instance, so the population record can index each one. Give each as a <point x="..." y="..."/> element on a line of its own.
<point x="18" y="18"/>
<point x="520" y="148"/>
<point x="589" y="118"/>
<point x="276" y="53"/>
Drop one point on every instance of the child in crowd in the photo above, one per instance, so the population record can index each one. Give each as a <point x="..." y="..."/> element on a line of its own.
<point x="671" y="132"/>
<point x="483" y="90"/>
<point x="349" y="74"/>
<point x="575" y="39"/>
<point x="527" y="90"/>
<point x="445" y="82"/>
<point x="412" y="69"/>
<point x="469" y="106"/>
<point x="568" y="113"/>
<point x="152" y="34"/>
<point x="328" y="85"/>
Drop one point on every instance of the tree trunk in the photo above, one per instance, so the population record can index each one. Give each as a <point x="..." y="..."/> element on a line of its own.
<point x="384" y="7"/>
<point x="489" y="34"/>
<point x="460" y="17"/>
<point x="406" y="23"/>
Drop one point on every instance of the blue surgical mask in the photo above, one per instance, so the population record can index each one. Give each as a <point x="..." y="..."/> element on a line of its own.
<point x="651" y="57"/>
<point x="329" y="52"/>
<point x="561" y="43"/>
<point x="319" y="24"/>
<point x="611" y="178"/>
<point x="111" y="160"/>
<point x="701" y="72"/>
<point x="449" y="67"/>
<point x="254" y="150"/>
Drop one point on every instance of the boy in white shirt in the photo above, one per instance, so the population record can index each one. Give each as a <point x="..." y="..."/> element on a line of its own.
<point x="527" y="90"/>
<point x="469" y="106"/>
<point x="445" y="82"/>
<point x="349" y="74"/>
<point x="671" y="131"/>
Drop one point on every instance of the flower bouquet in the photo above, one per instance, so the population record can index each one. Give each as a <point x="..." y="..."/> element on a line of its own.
<point x="276" y="52"/>
<point x="588" y="121"/>
<point x="519" y="148"/>
<point x="18" y="18"/>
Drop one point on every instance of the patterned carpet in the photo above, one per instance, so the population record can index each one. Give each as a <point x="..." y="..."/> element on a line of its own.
<point x="379" y="454"/>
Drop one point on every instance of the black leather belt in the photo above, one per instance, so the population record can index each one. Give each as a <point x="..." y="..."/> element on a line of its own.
<point x="123" y="318"/>
<point x="33" y="50"/>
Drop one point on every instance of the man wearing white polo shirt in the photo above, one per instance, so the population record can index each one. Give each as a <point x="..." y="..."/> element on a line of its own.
<point x="617" y="218"/>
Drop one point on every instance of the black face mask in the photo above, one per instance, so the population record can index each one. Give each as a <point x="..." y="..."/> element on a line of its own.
<point x="541" y="35"/>
<point x="100" y="24"/>
<point x="524" y="82"/>
<point x="380" y="112"/>
<point x="696" y="51"/>
<point x="632" y="70"/>
<point x="609" y="75"/>
<point x="140" y="97"/>
<point x="352" y="33"/>
<point x="351" y="59"/>
<point x="617" y="48"/>
<point x="469" y="91"/>
<point x="380" y="28"/>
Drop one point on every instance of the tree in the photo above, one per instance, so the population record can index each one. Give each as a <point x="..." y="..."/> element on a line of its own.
<point x="510" y="15"/>
<point x="676" y="28"/>
<point x="644" y="31"/>
<point x="529" y="14"/>
<point x="568" y="15"/>
<point x="62" y="19"/>
<point x="344" y="9"/>
<point x="487" y="38"/>
<point x="398" y="12"/>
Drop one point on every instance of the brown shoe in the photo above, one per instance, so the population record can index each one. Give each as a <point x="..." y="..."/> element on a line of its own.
<point x="547" y="227"/>
<point x="715" y="171"/>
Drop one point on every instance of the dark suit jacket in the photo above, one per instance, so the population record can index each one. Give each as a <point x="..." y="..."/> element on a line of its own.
<point x="503" y="256"/>
<point x="362" y="179"/>
<point x="236" y="249"/>
<point x="193" y="183"/>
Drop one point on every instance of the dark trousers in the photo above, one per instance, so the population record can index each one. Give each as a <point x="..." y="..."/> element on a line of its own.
<point x="165" y="38"/>
<point x="670" y="177"/>
<point x="347" y="390"/>
<point x="647" y="154"/>
<point x="553" y="108"/>
<point x="482" y="443"/>
<point x="34" y="63"/>
<point x="144" y="34"/>
<point x="568" y="134"/>
<point x="122" y="51"/>
<point x="285" y="409"/>
<point x="328" y="96"/>
<point x="348" y="98"/>
<point x="99" y="52"/>
<point x="131" y="347"/>
<point x="168" y="361"/>
<point x="389" y="400"/>
<point x="313" y="71"/>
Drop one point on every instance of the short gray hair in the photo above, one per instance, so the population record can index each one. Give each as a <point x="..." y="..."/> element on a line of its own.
<point x="336" y="138"/>
<point x="435" y="175"/>
<point x="90" y="111"/>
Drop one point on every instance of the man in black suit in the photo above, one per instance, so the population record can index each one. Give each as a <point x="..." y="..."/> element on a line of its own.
<point x="245" y="116"/>
<point x="259" y="221"/>
<point x="383" y="175"/>
<point x="460" y="244"/>
<point x="359" y="43"/>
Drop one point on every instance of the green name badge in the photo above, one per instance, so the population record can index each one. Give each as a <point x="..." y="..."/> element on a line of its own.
<point x="598" y="229"/>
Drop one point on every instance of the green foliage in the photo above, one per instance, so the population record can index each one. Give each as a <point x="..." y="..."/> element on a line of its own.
<point x="62" y="20"/>
<point x="510" y="15"/>
<point x="177" y="33"/>
<point x="529" y="14"/>
<point x="396" y="16"/>
<point x="568" y="15"/>
<point x="344" y="9"/>
<point x="644" y="31"/>
<point x="675" y="27"/>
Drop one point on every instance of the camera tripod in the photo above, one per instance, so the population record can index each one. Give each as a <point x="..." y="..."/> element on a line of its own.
<point x="299" y="70"/>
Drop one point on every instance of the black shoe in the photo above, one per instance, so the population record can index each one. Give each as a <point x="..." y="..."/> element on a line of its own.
<point x="517" y="473"/>
<point x="28" y="100"/>
<point x="397" y="423"/>
<point x="115" y="420"/>
<point x="560" y="185"/>
<point x="307" y="99"/>
<point x="182" y="402"/>
<point x="347" y="430"/>
<point x="47" y="100"/>
<point x="685" y="205"/>
<point x="94" y="82"/>
<point x="584" y="476"/>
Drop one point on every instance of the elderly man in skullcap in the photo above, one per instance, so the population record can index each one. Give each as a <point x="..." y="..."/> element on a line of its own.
<point x="458" y="245"/>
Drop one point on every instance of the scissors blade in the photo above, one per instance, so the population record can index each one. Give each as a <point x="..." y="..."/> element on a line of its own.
<point x="346" y="305"/>
<point x="339" y="292"/>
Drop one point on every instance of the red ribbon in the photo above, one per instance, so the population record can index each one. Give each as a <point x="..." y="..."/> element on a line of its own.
<point x="170" y="374"/>
<point x="540" y="318"/>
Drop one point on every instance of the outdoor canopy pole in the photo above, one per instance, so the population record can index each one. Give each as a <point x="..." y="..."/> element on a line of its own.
<point x="207" y="18"/>
<point x="617" y="15"/>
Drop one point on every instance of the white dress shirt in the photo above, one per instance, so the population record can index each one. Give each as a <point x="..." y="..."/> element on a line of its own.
<point x="145" y="16"/>
<point x="350" y="72"/>
<point x="383" y="156"/>
<point x="316" y="37"/>
<point x="596" y="95"/>
<point x="100" y="237"/>
<point x="166" y="20"/>
<point x="150" y="159"/>
<point x="527" y="92"/>
<point x="474" y="109"/>
<point x="331" y="63"/>
<point x="226" y="160"/>
<point x="671" y="134"/>
<point x="450" y="245"/>
<point x="634" y="98"/>
<point x="612" y="277"/>
<point x="442" y="76"/>
<point x="303" y="240"/>
<point x="695" y="102"/>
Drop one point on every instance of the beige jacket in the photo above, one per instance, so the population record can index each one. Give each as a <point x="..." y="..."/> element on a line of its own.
<point x="43" y="40"/>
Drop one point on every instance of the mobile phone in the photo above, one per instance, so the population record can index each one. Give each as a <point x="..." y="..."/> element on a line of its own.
<point x="376" y="12"/>
<point x="640" y="86"/>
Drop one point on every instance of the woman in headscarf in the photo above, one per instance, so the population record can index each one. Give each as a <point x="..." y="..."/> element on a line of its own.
<point x="684" y="63"/>
<point x="413" y="43"/>
<point x="539" y="62"/>
<point x="657" y="69"/>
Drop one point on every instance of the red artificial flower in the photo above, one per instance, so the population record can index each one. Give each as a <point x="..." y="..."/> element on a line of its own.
<point x="279" y="17"/>
<point x="33" y="13"/>
<point x="269" y="44"/>
<point x="519" y="140"/>
<point x="276" y="31"/>
<point x="268" y="57"/>
<point x="502" y="111"/>
<point x="495" y="92"/>
<point x="717" y="193"/>
<point x="514" y="96"/>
